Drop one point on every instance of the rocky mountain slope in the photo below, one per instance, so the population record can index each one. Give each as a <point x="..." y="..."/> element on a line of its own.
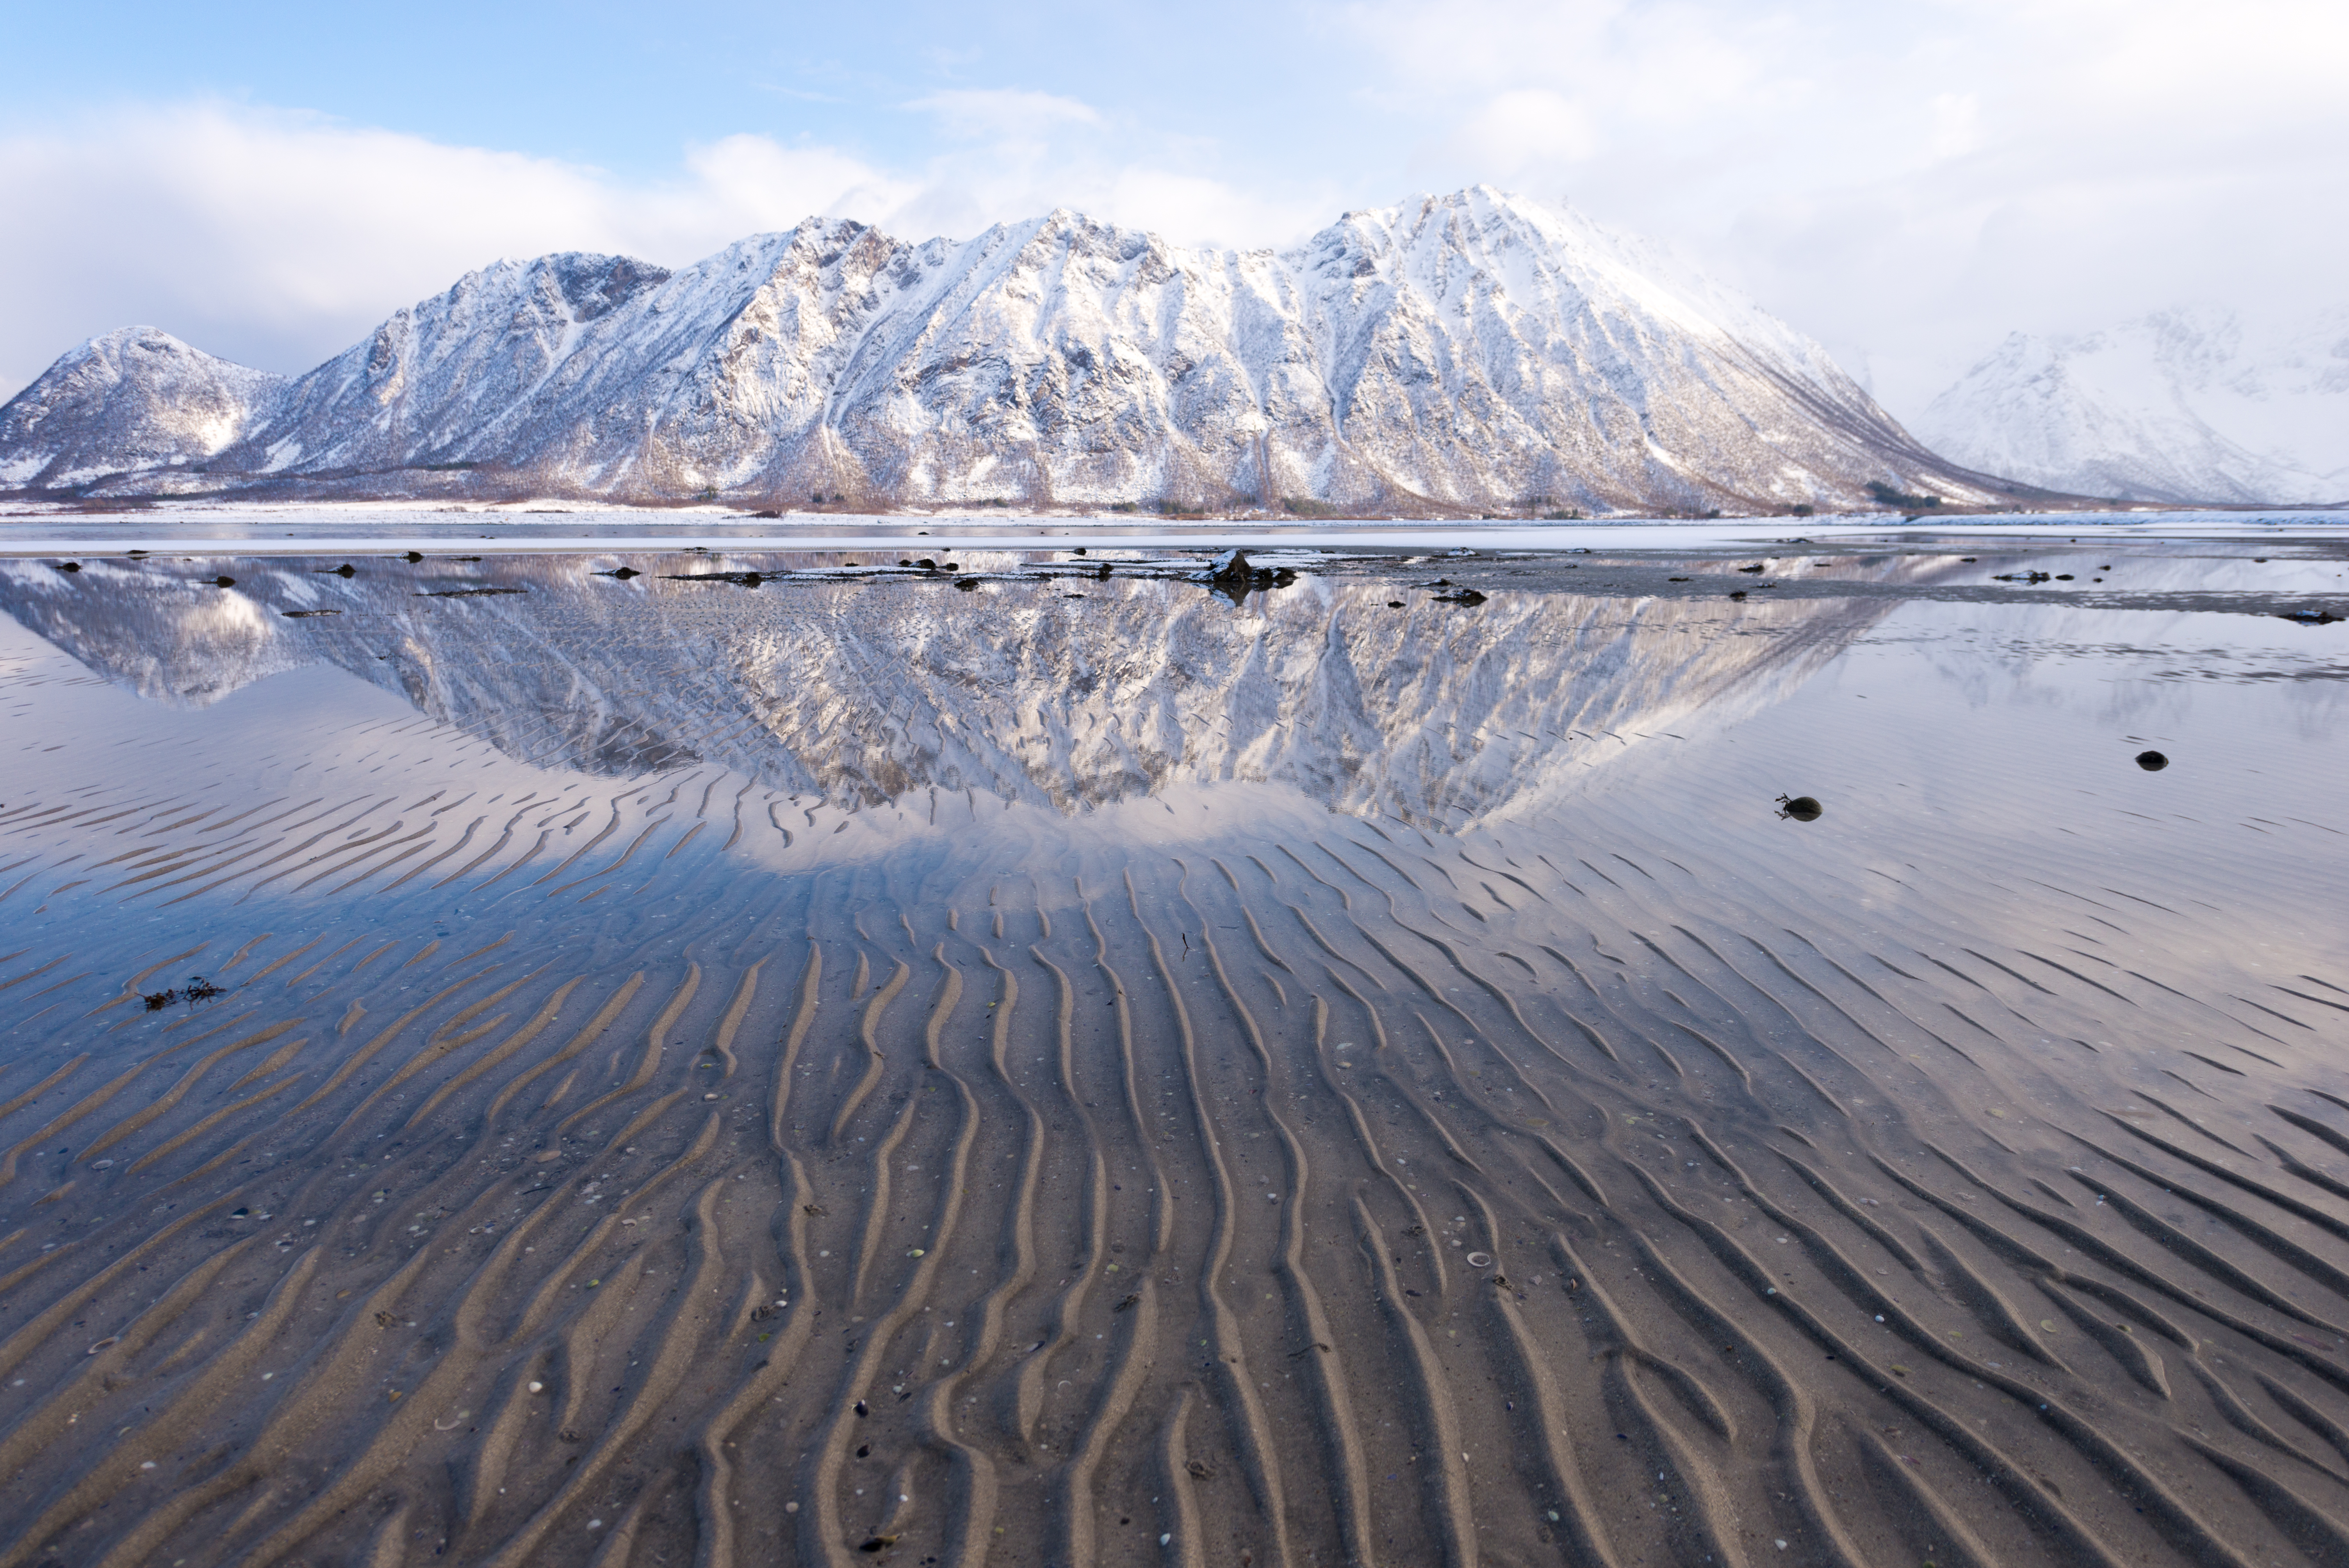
<point x="1466" y="351"/>
<point x="2181" y="406"/>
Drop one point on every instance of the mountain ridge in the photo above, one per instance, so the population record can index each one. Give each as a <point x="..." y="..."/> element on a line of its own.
<point x="1457" y="352"/>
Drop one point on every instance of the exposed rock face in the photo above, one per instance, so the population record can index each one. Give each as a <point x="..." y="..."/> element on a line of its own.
<point x="2179" y="406"/>
<point x="1459" y="352"/>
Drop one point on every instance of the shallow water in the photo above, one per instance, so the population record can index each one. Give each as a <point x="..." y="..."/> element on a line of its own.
<point x="745" y="1073"/>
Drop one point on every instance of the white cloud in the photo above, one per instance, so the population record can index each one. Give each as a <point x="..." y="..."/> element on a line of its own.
<point x="1530" y="125"/>
<point x="1956" y="124"/>
<point x="278" y="238"/>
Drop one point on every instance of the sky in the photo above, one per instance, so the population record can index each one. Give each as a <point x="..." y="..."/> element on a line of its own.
<point x="1906" y="182"/>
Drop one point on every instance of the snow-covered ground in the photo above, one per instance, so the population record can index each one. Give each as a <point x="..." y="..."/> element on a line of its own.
<point x="307" y="530"/>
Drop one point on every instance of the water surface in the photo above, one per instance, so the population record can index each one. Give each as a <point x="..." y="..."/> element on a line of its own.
<point x="1074" y="1070"/>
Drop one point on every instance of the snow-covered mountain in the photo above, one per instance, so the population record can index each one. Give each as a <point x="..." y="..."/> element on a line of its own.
<point x="1464" y="350"/>
<point x="2179" y="406"/>
<point x="131" y="401"/>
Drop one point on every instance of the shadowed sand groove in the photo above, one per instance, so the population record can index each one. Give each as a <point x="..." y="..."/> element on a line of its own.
<point x="1064" y="1138"/>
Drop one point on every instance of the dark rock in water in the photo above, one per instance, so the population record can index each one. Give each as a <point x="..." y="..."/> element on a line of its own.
<point x="1234" y="576"/>
<point x="1101" y="573"/>
<point x="223" y="582"/>
<point x="928" y="563"/>
<point x="1465" y="596"/>
<point x="739" y="579"/>
<point x="1233" y="566"/>
<point x="965" y="583"/>
<point x="69" y="566"/>
<point x="1801" y="807"/>
<point x="1394" y="604"/>
<point x="1755" y="568"/>
<point x="2310" y="617"/>
<point x="1737" y="593"/>
<point x="622" y="572"/>
<point x="2152" y="761"/>
<point x="306" y="615"/>
<point x="2021" y="577"/>
<point x="2063" y="577"/>
<point x="347" y="570"/>
<point x="412" y="556"/>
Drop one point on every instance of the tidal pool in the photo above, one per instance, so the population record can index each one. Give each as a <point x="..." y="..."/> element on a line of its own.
<point x="764" y="1059"/>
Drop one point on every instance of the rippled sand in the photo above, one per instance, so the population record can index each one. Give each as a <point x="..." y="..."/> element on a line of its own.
<point x="763" y="1075"/>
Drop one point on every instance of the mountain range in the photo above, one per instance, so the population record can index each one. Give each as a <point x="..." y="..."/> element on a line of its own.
<point x="1451" y="354"/>
<point x="2181" y="405"/>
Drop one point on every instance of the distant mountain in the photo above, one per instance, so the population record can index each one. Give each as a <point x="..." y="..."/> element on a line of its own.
<point x="1464" y="350"/>
<point x="2181" y="406"/>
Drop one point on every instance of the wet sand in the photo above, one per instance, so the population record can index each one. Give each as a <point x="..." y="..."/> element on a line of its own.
<point x="816" y="1074"/>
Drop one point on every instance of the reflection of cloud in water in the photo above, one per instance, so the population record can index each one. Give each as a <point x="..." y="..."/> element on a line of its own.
<point x="865" y="690"/>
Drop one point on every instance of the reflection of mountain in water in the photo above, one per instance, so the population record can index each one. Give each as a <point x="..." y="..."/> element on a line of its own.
<point x="865" y="690"/>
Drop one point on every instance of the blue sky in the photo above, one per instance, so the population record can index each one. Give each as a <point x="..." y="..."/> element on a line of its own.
<point x="1906" y="183"/>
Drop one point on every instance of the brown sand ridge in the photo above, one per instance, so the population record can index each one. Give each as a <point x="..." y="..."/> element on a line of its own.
<point x="629" y="1165"/>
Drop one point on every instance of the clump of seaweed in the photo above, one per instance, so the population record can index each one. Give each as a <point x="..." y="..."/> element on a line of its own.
<point x="198" y="989"/>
